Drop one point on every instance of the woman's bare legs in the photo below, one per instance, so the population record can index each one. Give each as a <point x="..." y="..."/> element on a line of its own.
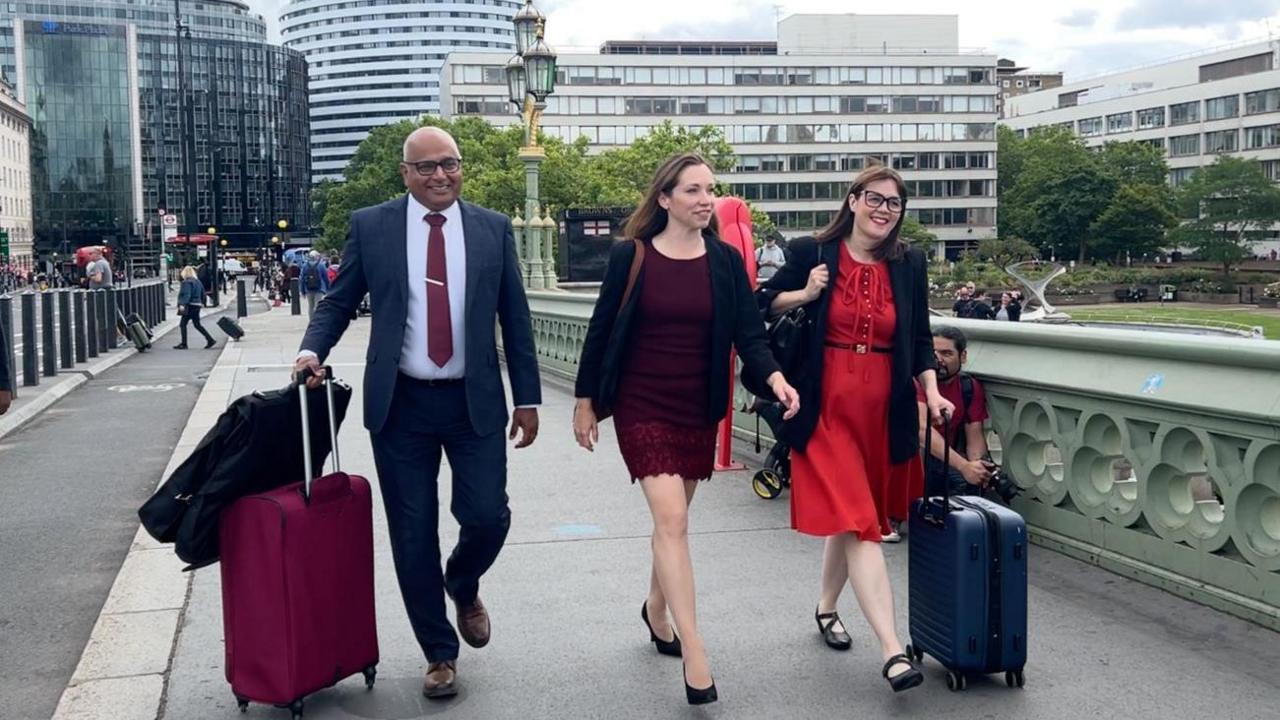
<point x="865" y="569"/>
<point x="668" y="500"/>
<point x="657" y="602"/>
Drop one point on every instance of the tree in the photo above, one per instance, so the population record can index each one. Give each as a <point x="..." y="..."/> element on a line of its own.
<point x="1011" y="156"/>
<point x="1134" y="163"/>
<point x="1005" y="251"/>
<point x="620" y="176"/>
<point x="493" y="175"/>
<point x="762" y="226"/>
<point x="916" y="235"/>
<point x="1230" y="203"/>
<point x="1135" y="222"/>
<point x="1060" y="190"/>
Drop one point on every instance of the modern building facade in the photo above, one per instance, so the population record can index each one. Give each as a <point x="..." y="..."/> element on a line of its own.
<point x="1015" y="80"/>
<point x="375" y="62"/>
<point x="803" y="114"/>
<point x="15" y="179"/>
<point x="1195" y="109"/>
<point x="100" y="80"/>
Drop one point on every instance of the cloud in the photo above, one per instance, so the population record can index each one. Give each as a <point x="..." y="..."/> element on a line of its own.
<point x="1081" y="18"/>
<point x="1155" y="14"/>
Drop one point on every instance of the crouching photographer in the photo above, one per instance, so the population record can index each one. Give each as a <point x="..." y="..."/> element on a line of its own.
<point x="970" y="469"/>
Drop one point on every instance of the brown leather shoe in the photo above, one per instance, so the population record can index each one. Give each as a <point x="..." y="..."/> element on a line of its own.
<point x="441" y="680"/>
<point x="473" y="623"/>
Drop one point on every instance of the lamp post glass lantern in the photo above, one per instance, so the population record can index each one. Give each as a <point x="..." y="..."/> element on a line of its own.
<point x="531" y="78"/>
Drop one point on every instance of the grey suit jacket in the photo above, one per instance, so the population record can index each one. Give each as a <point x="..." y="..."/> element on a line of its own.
<point x="374" y="261"/>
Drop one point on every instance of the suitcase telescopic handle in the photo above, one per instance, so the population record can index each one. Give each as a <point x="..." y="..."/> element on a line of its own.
<point x="944" y="466"/>
<point x="306" y="374"/>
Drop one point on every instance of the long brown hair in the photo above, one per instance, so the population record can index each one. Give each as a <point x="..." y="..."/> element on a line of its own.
<point x="650" y="218"/>
<point x="840" y="226"/>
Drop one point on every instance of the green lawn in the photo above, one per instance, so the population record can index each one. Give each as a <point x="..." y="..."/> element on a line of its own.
<point x="1268" y="320"/>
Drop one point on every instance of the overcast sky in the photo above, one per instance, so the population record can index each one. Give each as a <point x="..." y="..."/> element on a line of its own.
<point x="1078" y="37"/>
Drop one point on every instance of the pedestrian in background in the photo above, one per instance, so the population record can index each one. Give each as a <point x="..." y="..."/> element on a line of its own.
<point x="190" y="302"/>
<point x="98" y="270"/>
<point x="314" y="281"/>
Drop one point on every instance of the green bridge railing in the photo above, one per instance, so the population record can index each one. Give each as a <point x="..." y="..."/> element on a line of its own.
<point x="1153" y="455"/>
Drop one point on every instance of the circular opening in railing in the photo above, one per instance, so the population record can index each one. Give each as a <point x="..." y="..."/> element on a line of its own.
<point x="1045" y="460"/>
<point x="994" y="447"/>
<point x="1035" y="421"/>
<point x="1259" y="519"/>
<point x="1207" y="500"/>
<point x="1181" y="447"/>
<point x="1102" y="434"/>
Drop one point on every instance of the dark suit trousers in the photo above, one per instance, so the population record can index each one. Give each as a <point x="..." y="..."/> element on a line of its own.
<point x="423" y="421"/>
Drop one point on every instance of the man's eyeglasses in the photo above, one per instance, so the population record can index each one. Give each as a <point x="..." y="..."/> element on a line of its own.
<point x="427" y="168"/>
<point x="874" y="200"/>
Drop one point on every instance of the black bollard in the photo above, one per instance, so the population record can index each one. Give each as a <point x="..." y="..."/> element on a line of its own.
<point x="29" y="375"/>
<point x="6" y="340"/>
<point x="295" y="302"/>
<point x="103" y="324"/>
<point x="91" y="323"/>
<point x="113" y="313"/>
<point x="64" y="329"/>
<point x="242" y="307"/>
<point x="81" y="328"/>
<point x="48" y="347"/>
<point x="162" y="301"/>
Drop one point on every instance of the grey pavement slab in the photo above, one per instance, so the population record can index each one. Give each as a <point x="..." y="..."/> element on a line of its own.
<point x="568" y="641"/>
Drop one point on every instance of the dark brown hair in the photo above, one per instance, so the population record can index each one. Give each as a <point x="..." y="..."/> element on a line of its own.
<point x="840" y="227"/>
<point x="650" y="218"/>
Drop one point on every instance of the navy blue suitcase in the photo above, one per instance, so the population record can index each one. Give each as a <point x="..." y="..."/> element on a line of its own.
<point x="967" y="587"/>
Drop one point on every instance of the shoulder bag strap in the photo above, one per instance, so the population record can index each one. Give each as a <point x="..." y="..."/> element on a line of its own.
<point x="636" y="261"/>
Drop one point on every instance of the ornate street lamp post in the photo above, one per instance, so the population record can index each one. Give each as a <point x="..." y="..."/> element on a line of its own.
<point x="531" y="77"/>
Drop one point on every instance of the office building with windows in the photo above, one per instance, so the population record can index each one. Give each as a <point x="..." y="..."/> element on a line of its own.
<point x="803" y="113"/>
<point x="15" y="179"/>
<point x="375" y="62"/>
<point x="1015" y="80"/>
<point x="100" y="82"/>
<point x="1196" y="108"/>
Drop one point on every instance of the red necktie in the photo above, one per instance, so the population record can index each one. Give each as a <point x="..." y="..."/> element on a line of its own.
<point x="439" y="326"/>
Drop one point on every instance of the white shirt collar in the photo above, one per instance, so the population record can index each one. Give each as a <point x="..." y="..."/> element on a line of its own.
<point x="452" y="214"/>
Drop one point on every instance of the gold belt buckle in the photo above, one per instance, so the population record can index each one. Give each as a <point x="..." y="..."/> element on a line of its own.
<point x="860" y="348"/>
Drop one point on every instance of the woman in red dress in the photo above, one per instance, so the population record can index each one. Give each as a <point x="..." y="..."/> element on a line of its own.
<point x="858" y="425"/>
<point x="673" y="301"/>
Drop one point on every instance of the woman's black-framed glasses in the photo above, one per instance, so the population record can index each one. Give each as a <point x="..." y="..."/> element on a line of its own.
<point x="874" y="200"/>
<point x="427" y="168"/>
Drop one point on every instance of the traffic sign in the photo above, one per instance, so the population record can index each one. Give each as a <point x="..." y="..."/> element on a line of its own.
<point x="170" y="221"/>
<point x="4" y="245"/>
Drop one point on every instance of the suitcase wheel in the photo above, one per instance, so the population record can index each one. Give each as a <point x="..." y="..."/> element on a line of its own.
<point x="956" y="682"/>
<point x="1015" y="678"/>
<point x="767" y="484"/>
<point x="914" y="653"/>
<point x="370" y="674"/>
<point x="242" y="703"/>
<point x="295" y="707"/>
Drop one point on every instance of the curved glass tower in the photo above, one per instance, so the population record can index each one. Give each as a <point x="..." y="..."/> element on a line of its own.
<point x="372" y="62"/>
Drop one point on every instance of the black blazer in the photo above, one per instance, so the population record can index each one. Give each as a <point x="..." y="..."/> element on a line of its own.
<point x="912" y="341"/>
<point x="734" y="321"/>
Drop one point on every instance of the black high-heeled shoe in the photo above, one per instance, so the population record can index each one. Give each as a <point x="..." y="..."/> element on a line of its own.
<point x="665" y="647"/>
<point x="698" y="696"/>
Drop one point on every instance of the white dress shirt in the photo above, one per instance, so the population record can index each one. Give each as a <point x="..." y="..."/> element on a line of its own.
<point x="413" y="356"/>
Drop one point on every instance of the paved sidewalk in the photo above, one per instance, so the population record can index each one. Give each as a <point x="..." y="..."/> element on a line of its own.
<point x="565" y="596"/>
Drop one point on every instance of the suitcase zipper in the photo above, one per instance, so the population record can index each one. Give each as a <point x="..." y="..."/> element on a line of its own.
<point x="995" y="609"/>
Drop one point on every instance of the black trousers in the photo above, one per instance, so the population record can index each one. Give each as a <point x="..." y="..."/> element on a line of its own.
<point x="191" y="314"/>
<point x="423" y="421"/>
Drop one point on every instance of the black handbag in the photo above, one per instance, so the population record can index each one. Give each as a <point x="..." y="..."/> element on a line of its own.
<point x="789" y="339"/>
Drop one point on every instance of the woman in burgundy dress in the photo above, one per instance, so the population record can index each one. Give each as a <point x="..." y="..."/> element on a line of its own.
<point x="673" y="302"/>
<point x="858" y="428"/>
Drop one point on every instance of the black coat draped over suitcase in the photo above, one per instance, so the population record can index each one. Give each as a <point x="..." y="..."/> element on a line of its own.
<point x="255" y="446"/>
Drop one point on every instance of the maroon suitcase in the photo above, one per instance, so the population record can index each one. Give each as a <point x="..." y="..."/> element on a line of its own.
<point x="297" y="584"/>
